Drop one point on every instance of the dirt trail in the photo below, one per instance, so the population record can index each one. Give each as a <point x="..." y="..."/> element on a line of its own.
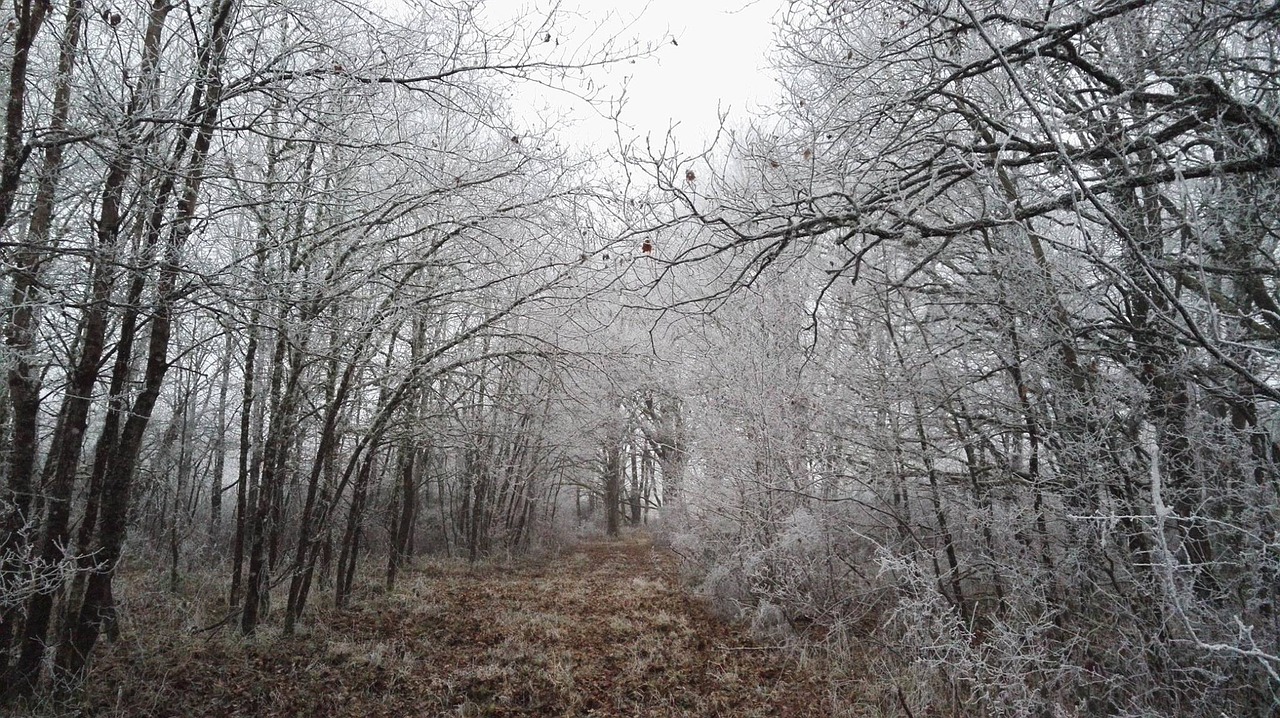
<point x="603" y="630"/>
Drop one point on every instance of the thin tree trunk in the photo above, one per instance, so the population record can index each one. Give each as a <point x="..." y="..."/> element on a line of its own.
<point x="256" y="588"/>
<point x="244" y="456"/>
<point x="311" y="513"/>
<point x="350" y="546"/>
<point x="219" y="451"/>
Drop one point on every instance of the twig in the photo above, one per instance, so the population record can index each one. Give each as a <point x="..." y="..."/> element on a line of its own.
<point x="902" y="701"/>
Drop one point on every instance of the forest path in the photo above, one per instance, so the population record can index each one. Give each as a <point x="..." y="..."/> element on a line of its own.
<point x="604" y="629"/>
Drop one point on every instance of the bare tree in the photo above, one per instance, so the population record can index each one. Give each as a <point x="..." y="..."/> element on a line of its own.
<point x="315" y="236"/>
<point x="1032" y="316"/>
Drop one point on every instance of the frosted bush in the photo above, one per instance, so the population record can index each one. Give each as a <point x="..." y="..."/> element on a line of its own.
<point x="726" y="590"/>
<point x="801" y="532"/>
<point x="769" y="623"/>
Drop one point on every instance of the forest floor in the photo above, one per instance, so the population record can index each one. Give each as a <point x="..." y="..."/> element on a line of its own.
<point x="602" y="629"/>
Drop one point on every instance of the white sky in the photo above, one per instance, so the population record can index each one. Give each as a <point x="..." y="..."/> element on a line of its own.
<point x="721" y="62"/>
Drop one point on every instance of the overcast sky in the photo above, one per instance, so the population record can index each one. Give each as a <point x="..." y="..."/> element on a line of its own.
<point x="720" y="60"/>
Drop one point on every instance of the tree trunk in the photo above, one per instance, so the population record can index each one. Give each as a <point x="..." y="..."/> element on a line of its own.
<point x="402" y="536"/>
<point x="634" y="489"/>
<point x="29" y="16"/>
<point x="312" y="514"/>
<point x="24" y="381"/>
<point x="219" y="450"/>
<point x="350" y="546"/>
<point x="612" y="486"/>
<point x="74" y="650"/>
<point x="244" y="474"/>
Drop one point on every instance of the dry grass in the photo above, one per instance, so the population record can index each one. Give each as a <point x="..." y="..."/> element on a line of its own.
<point x="603" y="630"/>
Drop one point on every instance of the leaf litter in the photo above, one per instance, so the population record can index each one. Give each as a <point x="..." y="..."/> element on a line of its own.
<point x="603" y="630"/>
